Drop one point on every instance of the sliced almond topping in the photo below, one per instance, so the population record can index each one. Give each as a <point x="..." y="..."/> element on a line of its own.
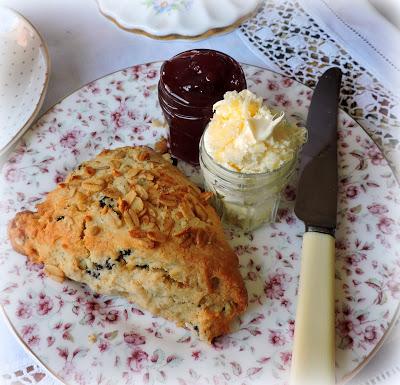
<point x="186" y="210"/>
<point x="166" y="179"/>
<point x="137" y="204"/>
<point x="120" y="154"/>
<point x="206" y="195"/>
<point x="132" y="173"/>
<point x="127" y="218"/>
<point x="145" y="219"/>
<point x="184" y="231"/>
<point x="116" y="172"/>
<point x="161" y="146"/>
<point x="134" y="217"/>
<point x="200" y="212"/>
<point x="167" y="200"/>
<point x="105" y="167"/>
<point x="149" y="176"/>
<point x="141" y="213"/>
<point x="130" y="196"/>
<point x="123" y="205"/>
<point x="146" y="243"/>
<point x="143" y="155"/>
<point x="111" y="192"/>
<point x="151" y="210"/>
<point x="156" y="236"/>
<point x="168" y="224"/>
<point x="94" y="230"/>
<point x="141" y="192"/>
<point x="116" y="163"/>
<point x="93" y="185"/>
<point x="137" y="233"/>
<point x="90" y="170"/>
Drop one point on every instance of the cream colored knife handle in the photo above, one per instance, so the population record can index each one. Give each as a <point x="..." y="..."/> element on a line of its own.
<point x="313" y="359"/>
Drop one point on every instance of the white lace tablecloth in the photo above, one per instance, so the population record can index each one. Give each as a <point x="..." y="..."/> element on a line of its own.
<point x="297" y="38"/>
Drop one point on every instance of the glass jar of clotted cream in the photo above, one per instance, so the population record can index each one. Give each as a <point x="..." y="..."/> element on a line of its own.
<point x="248" y="152"/>
<point x="242" y="199"/>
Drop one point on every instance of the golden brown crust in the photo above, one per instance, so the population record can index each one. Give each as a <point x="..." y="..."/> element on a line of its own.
<point x="130" y="223"/>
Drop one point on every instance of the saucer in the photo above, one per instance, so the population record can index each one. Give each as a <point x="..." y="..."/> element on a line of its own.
<point x="24" y="75"/>
<point x="178" y="19"/>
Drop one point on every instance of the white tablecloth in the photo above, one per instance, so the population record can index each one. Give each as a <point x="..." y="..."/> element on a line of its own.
<point x="84" y="46"/>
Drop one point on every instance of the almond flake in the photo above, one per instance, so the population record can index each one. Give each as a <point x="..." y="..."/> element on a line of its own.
<point x="130" y="196"/>
<point x="166" y="200"/>
<point x="134" y="218"/>
<point x="137" y="204"/>
<point x="123" y="205"/>
<point x="200" y="212"/>
<point x="137" y="233"/>
<point x="141" y="213"/>
<point x="116" y="163"/>
<point x="90" y="170"/>
<point x="127" y="218"/>
<point x="168" y="224"/>
<point x="206" y="195"/>
<point x="184" y="231"/>
<point x="93" y="186"/>
<point x="132" y="173"/>
<point x="145" y="220"/>
<point x="186" y="210"/>
<point x="116" y="172"/>
<point x="111" y="192"/>
<point x="143" y="155"/>
<point x="161" y="146"/>
<point x="156" y="236"/>
<point x="141" y="192"/>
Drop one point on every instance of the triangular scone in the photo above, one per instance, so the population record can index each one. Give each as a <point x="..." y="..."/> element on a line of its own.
<point x="129" y="223"/>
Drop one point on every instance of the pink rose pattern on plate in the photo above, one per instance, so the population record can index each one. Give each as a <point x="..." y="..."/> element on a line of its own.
<point x="87" y="338"/>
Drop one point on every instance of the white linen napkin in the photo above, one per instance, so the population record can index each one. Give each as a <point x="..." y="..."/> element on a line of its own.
<point x="364" y="32"/>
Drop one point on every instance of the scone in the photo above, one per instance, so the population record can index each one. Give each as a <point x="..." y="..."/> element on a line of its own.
<point x="129" y="223"/>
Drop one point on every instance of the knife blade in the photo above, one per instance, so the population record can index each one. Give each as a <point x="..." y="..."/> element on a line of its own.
<point x="313" y="357"/>
<point x="317" y="206"/>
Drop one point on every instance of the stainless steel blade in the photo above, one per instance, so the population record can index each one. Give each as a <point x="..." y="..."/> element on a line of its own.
<point x="317" y="189"/>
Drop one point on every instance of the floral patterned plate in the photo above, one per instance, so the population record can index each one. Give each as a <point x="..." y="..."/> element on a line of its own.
<point x="85" y="338"/>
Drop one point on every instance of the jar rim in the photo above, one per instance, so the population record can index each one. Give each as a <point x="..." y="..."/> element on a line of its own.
<point x="163" y="87"/>
<point x="202" y="148"/>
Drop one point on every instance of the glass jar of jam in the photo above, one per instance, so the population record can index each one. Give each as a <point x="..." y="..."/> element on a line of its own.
<point x="190" y="83"/>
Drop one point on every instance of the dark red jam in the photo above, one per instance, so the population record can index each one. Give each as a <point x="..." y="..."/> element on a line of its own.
<point x="190" y="83"/>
